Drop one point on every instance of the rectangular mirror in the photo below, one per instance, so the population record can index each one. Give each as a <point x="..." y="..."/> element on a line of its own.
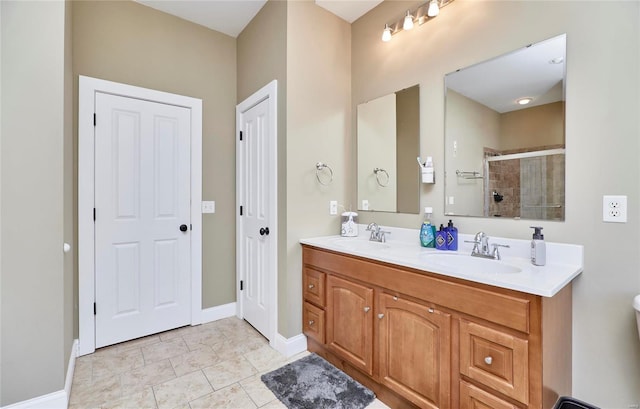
<point x="388" y="142"/>
<point x="505" y="135"/>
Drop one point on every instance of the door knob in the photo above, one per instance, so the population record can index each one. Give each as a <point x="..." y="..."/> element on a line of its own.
<point x="264" y="231"/>
<point x="183" y="227"/>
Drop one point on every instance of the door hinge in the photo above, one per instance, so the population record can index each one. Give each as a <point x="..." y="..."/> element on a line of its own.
<point x="190" y="226"/>
<point x="94" y="308"/>
<point x="94" y="214"/>
<point x="240" y="210"/>
<point x="94" y="119"/>
<point x="241" y="285"/>
<point x="240" y="135"/>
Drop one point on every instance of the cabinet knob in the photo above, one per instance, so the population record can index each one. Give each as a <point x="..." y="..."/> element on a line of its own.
<point x="488" y="360"/>
<point x="380" y="316"/>
<point x="395" y="298"/>
<point x="367" y="309"/>
<point x="311" y="286"/>
<point x="431" y="310"/>
<point x="311" y="322"/>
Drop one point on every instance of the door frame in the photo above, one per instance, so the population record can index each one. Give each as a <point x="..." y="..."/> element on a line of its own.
<point x="87" y="89"/>
<point x="270" y="92"/>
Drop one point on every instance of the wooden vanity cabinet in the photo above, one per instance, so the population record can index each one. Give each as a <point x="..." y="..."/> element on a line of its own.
<point x="425" y="340"/>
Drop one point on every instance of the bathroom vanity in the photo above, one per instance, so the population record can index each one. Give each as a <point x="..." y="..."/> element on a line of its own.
<point x="421" y="334"/>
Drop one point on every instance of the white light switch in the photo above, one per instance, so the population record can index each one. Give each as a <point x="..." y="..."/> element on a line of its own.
<point x="333" y="207"/>
<point x="208" y="207"/>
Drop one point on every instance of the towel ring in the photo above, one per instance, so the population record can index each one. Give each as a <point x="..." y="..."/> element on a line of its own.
<point x="378" y="171"/>
<point x="320" y="167"/>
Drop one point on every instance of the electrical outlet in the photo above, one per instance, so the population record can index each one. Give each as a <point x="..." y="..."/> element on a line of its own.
<point x="208" y="206"/>
<point x="614" y="209"/>
<point x="333" y="207"/>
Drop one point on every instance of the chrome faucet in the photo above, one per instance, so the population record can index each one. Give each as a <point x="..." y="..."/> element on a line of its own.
<point x="481" y="247"/>
<point x="376" y="233"/>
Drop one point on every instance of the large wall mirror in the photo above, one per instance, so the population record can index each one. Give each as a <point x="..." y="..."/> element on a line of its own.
<point x="388" y="141"/>
<point x="505" y="135"/>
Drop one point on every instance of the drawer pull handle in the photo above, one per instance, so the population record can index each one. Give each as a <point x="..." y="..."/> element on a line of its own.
<point x="311" y="322"/>
<point x="311" y="286"/>
<point x="366" y="309"/>
<point x="380" y="316"/>
<point x="488" y="360"/>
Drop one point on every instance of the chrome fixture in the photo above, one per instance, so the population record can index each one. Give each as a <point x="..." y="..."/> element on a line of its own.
<point x="377" y="234"/>
<point x="481" y="247"/>
<point x="320" y="169"/>
<point x="421" y="15"/>
<point x="385" y="179"/>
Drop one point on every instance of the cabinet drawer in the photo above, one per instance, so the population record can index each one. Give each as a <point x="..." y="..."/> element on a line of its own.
<point x="313" y="286"/>
<point x="475" y="398"/>
<point x="495" y="359"/>
<point x="313" y="320"/>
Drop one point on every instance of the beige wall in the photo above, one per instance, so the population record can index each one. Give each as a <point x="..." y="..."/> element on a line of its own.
<point x="602" y="127"/>
<point x="408" y="139"/>
<point x="536" y="126"/>
<point x="33" y="137"/>
<point x="472" y="126"/>
<point x="262" y="57"/>
<point x="318" y="129"/>
<point x="155" y="50"/>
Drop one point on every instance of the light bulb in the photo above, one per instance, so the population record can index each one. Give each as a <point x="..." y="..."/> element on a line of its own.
<point x="433" y="9"/>
<point x="386" y="34"/>
<point x="408" y="21"/>
<point x="524" y="101"/>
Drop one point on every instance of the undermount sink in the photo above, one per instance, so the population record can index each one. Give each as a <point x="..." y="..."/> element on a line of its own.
<point x="352" y="244"/>
<point x="469" y="264"/>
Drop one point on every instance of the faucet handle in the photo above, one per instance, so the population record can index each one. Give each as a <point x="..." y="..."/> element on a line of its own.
<point x="373" y="227"/>
<point x="496" y="253"/>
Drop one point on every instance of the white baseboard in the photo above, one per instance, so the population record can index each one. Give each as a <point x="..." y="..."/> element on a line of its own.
<point x="291" y="346"/>
<point x="219" y="312"/>
<point x="54" y="400"/>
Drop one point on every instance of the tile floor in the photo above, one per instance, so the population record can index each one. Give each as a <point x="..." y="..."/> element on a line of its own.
<point x="214" y="365"/>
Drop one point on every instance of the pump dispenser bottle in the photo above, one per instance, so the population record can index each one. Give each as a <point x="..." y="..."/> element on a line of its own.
<point x="538" y="247"/>
<point x="428" y="231"/>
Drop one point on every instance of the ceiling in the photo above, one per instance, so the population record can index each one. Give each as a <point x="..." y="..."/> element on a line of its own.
<point x="232" y="16"/>
<point x="528" y="72"/>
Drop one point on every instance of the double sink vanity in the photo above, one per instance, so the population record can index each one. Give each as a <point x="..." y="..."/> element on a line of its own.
<point x="438" y="329"/>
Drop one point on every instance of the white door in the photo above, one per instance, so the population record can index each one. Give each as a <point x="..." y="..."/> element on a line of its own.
<point x="256" y="173"/>
<point x="142" y="218"/>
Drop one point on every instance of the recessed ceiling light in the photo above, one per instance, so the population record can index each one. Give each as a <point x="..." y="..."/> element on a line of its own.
<point x="524" y="101"/>
<point x="557" y="60"/>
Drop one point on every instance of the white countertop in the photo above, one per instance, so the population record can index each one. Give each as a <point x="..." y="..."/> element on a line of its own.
<point x="402" y="248"/>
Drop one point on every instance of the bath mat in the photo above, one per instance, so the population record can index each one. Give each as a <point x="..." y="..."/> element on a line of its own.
<point x="313" y="383"/>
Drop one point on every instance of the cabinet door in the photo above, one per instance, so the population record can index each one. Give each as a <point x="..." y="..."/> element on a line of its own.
<point x="349" y="324"/>
<point x="415" y="351"/>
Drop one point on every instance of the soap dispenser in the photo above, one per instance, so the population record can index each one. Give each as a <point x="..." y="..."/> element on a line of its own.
<point x="538" y="248"/>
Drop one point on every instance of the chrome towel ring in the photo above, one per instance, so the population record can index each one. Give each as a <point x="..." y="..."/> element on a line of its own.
<point x="379" y="171"/>
<point x="320" y="169"/>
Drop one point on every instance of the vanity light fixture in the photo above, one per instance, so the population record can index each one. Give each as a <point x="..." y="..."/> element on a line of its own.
<point x="419" y="16"/>
<point x="434" y="9"/>
<point x="524" y="101"/>
<point x="408" y="21"/>
<point x="386" y="34"/>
